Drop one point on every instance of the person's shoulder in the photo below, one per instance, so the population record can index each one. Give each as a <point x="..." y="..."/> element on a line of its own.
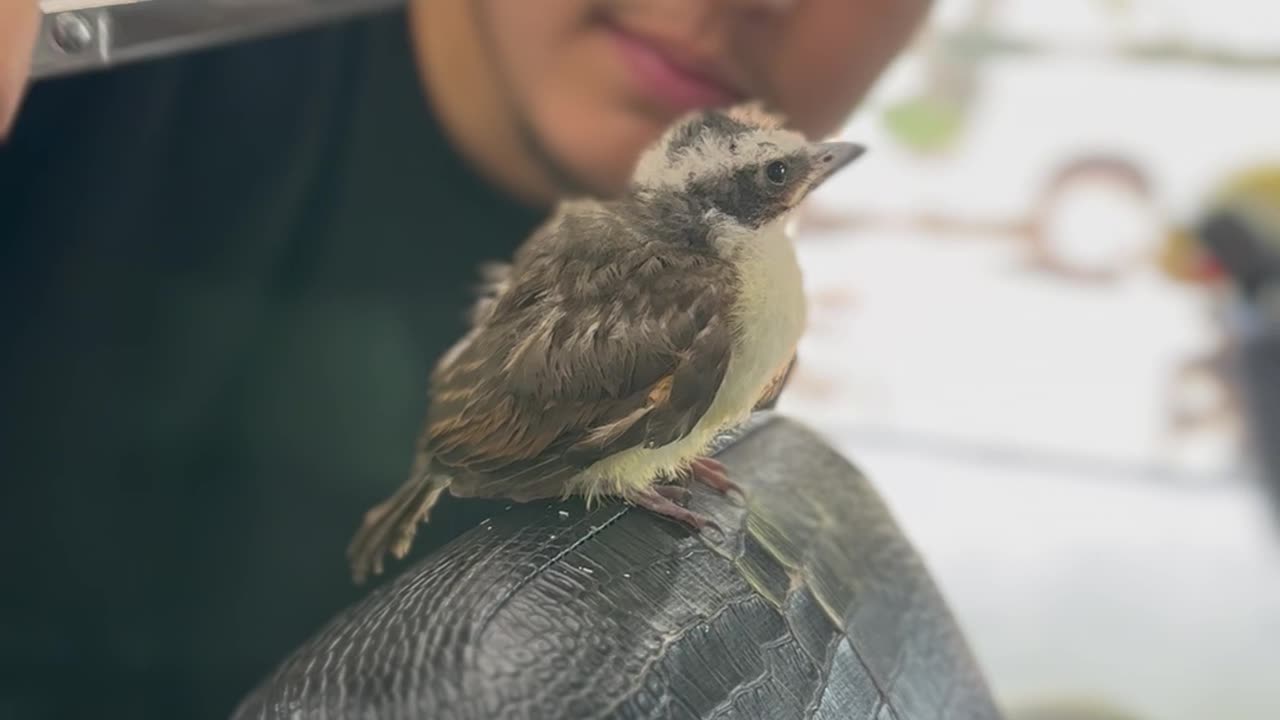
<point x="274" y="74"/>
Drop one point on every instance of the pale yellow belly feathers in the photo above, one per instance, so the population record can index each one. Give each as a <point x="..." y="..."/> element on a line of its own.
<point x="770" y="317"/>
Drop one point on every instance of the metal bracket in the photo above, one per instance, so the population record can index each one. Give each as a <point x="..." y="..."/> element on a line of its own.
<point x="82" y="35"/>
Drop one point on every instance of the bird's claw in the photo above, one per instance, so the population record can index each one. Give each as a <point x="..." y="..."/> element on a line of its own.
<point x="715" y="475"/>
<point x="660" y="499"/>
<point x="674" y="493"/>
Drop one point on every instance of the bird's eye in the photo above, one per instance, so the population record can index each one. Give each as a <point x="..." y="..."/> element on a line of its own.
<point x="776" y="171"/>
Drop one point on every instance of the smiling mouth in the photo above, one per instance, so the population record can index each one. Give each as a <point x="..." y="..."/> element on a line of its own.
<point x="674" y="82"/>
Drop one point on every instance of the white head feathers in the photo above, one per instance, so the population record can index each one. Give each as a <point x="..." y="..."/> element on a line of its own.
<point x="715" y="141"/>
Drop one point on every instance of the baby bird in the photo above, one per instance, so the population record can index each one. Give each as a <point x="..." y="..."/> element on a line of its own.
<point x="624" y="336"/>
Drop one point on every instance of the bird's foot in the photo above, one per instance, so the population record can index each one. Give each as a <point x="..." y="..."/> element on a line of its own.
<point x="674" y="493"/>
<point x="715" y="475"/>
<point x="661" y="499"/>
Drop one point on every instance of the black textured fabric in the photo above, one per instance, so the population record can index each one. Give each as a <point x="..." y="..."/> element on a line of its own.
<point x="224" y="278"/>
<point x="812" y="605"/>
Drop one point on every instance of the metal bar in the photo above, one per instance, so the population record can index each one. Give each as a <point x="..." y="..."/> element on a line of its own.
<point x="82" y="35"/>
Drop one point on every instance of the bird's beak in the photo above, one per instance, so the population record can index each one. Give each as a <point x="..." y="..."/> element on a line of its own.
<point x="829" y="158"/>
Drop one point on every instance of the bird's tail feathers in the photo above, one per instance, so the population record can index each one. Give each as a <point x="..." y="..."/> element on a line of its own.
<point x="391" y="525"/>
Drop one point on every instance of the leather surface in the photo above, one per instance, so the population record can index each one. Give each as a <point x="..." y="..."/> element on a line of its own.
<point x="811" y="605"/>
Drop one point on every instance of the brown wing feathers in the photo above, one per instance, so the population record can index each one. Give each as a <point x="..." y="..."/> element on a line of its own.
<point x="578" y="367"/>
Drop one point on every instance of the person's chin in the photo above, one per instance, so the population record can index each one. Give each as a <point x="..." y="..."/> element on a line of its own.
<point x="598" y="149"/>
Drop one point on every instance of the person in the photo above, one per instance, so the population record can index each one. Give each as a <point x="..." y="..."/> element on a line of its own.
<point x="227" y="273"/>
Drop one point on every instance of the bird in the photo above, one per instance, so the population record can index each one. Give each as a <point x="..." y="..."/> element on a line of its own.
<point x="624" y="335"/>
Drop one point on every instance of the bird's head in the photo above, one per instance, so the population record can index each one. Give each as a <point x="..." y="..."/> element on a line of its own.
<point x="741" y="164"/>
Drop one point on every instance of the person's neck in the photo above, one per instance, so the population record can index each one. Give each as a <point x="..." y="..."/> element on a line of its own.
<point x="465" y="91"/>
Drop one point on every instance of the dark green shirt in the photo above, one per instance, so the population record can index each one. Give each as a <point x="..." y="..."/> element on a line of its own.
<point x="224" y="279"/>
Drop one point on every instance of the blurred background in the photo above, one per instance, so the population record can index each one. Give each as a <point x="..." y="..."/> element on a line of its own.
<point x="1044" y="323"/>
<point x="1020" y="335"/>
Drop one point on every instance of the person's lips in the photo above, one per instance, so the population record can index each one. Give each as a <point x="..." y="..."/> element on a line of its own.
<point x="677" y="83"/>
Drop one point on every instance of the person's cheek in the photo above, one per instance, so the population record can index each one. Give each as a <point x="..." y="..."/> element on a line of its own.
<point x="19" y="21"/>
<point x="583" y="116"/>
<point x="589" y="128"/>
